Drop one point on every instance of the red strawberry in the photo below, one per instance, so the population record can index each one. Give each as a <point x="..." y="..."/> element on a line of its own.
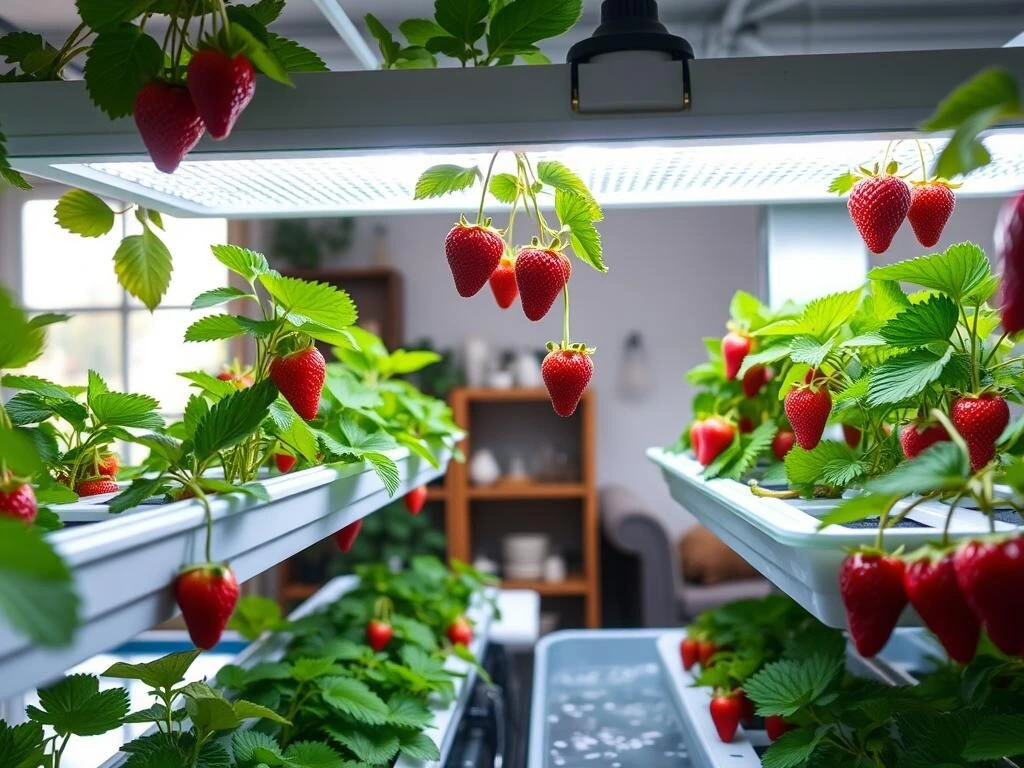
<point x="415" y="499"/>
<point x="782" y="443"/>
<point x="221" y="88"/>
<point x="168" y="123"/>
<point x="932" y="589"/>
<point x="931" y="205"/>
<point x="689" y="650"/>
<point x="460" y="632"/>
<point x="746" y="425"/>
<point x="378" y="634"/>
<point x="347" y="536"/>
<point x="754" y="379"/>
<point x="981" y="420"/>
<point x="503" y="283"/>
<point x="696" y="432"/>
<point x="705" y="651"/>
<point x="566" y="373"/>
<point x="916" y="437"/>
<point x="473" y="253"/>
<point x="726" y="712"/>
<point x="878" y="205"/>
<point x="735" y="346"/>
<point x="851" y="435"/>
<point x="541" y="274"/>
<point x="716" y="434"/>
<point x="284" y="461"/>
<point x="94" y="486"/>
<point x="207" y="595"/>
<point x="775" y="726"/>
<point x="872" y="588"/>
<point x="108" y="465"/>
<point x="747" y="709"/>
<point x="1010" y="247"/>
<point x="991" y="578"/>
<point x="241" y="380"/>
<point x="18" y="500"/>
<point x="808" y="408"/>
<point x="300" y="378"/>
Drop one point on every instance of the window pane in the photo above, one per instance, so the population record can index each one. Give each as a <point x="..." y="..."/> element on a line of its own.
<point x="157" y="353"/>
<point x="87" y="340"/>
<point x="195" y="269"/>
<point x="62" y="270"/>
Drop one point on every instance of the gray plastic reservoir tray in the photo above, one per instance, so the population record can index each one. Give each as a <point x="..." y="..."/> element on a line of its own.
<point x="601" y="698"/>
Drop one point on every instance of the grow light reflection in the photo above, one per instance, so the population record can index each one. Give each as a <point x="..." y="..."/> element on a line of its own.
<point x="622" y="175"/>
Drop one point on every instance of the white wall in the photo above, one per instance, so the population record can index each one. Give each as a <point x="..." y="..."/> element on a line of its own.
<point x="672" y="273"/>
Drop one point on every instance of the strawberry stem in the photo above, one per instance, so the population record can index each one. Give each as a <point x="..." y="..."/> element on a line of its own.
<point x="883" y="521"/>
<point x="565" y="317"/>
<point x="920" y="154"/>
<point x="483" y="195"/>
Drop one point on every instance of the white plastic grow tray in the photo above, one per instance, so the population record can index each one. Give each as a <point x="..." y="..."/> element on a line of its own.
<point x="782" y="540"/>
<point x="123" y="567"/>
<point x="272" y="647"/>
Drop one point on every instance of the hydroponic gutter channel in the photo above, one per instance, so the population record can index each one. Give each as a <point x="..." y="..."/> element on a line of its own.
<point x="123" y="567"/>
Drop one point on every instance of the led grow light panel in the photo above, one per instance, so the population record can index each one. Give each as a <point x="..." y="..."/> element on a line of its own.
<point x="633" y="175"/>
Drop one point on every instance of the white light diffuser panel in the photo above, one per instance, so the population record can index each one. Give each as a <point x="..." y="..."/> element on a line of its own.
<point x="757" y="130"/>
<point x="638" y="176"/>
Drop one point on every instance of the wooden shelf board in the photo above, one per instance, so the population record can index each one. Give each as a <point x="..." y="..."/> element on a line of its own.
<point x="575" y="585"/>
<point x="514" y="393"/>
<point x="436" y="494"/>
<point x="299" y="591"/>
<point x="528" y="491"/>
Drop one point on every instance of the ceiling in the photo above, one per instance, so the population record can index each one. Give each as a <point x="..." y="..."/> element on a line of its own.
<point x="714" y="27"/>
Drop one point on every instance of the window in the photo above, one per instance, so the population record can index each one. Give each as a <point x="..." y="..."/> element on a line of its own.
<point x="111" y="332"/>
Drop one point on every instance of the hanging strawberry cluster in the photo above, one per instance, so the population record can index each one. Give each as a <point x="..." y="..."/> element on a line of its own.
<point x="537" y="273"/>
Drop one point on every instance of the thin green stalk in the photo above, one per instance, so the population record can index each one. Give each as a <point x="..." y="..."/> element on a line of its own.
<point x="949" y="516"/>
<point x="565" y="318"/>
<point x="882" y="522"/>
<point x="920" y="154"/>
<point x="995" y="349"/>
<point x="483" y="195"/>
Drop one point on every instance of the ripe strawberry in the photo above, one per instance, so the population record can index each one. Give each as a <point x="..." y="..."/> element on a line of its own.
<point x="931" y="205"/>
<point x="94" y="486"/>
<point x="878" y="205"/>
<point x="782" y="443"/>
<point x="285" y="462"/>
<point x="473" y="253"/>
<point x="716" y="434"/>
<point x="705" y="652"/>
<point x="851" y="435"/>
<point x="221" y="88"/>
<point x="1010" y="247"/>
<point x="415" y="499"/>
<point x="726" y="712"/>
<point x="168" y="123"/>
<point x="915" y="437"/>
<point x="300" y="378"/>
<point x="541" y="274"/>
<point x="754" y="379"/>
<point x="346" y="537"/>
<point x="747" y="709"/>
<point x="108" y="465"/>
<point x="696" y="433"/>
<point x="808" y="408"/>
<point x="746" y="425"/>
<point x="503" y="283"/>
<point x="932" y="589"/>
<point x="775" y="726"/>
<point x="872" y="588"/>
<point x="460" y="632"/>
<point x="18" y="500"/>
<point x="689" y="650"/>
<point x="241" y="379"/>
<point x="378" y="634"/>
<point x="981" y="420"/>
<point x="566" y="373"/>
<point x="207" y="595"/>
<point x="991" y="578"/>
<point x="735" y="346"/>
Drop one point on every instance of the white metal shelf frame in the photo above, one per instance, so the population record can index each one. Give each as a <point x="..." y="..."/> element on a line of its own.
<point x="124" y="567"/>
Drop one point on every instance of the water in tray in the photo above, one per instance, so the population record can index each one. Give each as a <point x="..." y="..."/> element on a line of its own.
<point x="608" y="705"/>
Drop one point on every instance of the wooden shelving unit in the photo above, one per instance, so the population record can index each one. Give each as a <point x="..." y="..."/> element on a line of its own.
<point x="493" y="418"/>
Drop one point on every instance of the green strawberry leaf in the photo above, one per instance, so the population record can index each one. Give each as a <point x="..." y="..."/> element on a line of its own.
<point x="77" y="706"/>
<point x="248" y="744"/>
<point x="141" y="489"/>
<point x="794" y="749"/>
<point x="22" y="745"/>
<point x="805" y="467"/>
<point x="806" y="349"/>
<point x="309" y="302"/>
<point x="214" y="328"/>
<point x="522" y="23"/>
<point x="163" y="673"/>
<point x="906" y="376"/>
<point x="313" y="754"/>
<point x="389" y="48"/>
<point x="21" y="342"/>
<point x="575" y="213"/>
<point x="120" y="61"/>
<point x="415" y="57"/>
<point x="419" y="31"/>
<point x="372" y="746"/>
<point x="260" y="54"/>
<point x="245" y="263"/>
<point x="943" y="466"/>
<point x="418" y="746"/>
<point x="407" y="711"/>
<point x="232" y="419"/>
<point x="786" y="686"/>
<point x="862" y="507"/>
<point x="219" y="296"/>
<point x="995" y="737"/>
<point x="958" y="272"/>
<point x="465" y="20"/>
<point x="931" y="321"/>
<point x="504" y="187"/>
<point x="18" y="452"/>
<point x="143" y="267"/>
<point x="118" y="409"/>
<point x="294" y="57"/>
<point x="83" y="213"/>
<point x="255" y="615"/>
<point x="843" y="183"/>
<point x="560" y="176"/>
<point x="354" y="699"/>
<point x="441" y="180"/>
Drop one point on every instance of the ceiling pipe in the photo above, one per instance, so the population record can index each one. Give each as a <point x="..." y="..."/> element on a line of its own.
<point x="347" y="31"/>
<point x="732" y="21"/>
<point x="771" y="8"/>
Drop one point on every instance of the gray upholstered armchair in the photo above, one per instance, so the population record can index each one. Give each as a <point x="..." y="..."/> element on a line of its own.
<point x="665" y="598"/>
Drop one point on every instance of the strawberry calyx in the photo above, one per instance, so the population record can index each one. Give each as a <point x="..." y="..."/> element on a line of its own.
<point x="566" y="346"/>
<point x="207" y="569"/>
<point x="845" y="182"/>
